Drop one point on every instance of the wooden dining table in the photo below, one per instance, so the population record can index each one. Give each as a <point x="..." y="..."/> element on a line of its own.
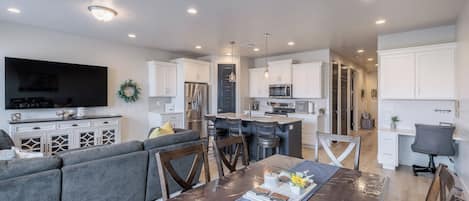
<point x="345" y="184"/>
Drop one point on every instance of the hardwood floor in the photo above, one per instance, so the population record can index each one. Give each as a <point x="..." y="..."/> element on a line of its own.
<point x="403" y="185"/>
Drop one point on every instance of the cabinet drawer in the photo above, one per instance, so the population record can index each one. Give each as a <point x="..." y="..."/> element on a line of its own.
<point x="35" y="127"/>
<point x="74" y="124"/>
<point x="105" y="122"/>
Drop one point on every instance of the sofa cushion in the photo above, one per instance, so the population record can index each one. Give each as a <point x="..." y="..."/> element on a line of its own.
<point x="21" y="167"/>
<point x="121" y="177"/>
<point x="44" y="185"/>
<point x="180" y="136"/>
<point x="5" y="140"/>
<point x="99" y="152"/>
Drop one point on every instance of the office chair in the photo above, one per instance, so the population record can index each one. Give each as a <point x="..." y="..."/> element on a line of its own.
<point x="434" y="141"/>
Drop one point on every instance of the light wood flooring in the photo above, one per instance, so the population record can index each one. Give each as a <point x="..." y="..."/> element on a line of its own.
<point x="403" y="185"/>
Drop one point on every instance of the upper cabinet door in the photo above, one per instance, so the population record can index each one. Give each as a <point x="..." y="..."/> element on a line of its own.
<point x="258" y="84"/>
<point x="162" y="79"/>
<point x="196" y="71"/>
<point x="435" y="74"/>
<point x="397" y="76"/>
<point x="171" y="81"/>
<point x="280" y="72"/>
<point x="307" y="80"/>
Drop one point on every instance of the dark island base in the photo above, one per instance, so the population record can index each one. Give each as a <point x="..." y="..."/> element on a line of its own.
<point x="290" y="138"/>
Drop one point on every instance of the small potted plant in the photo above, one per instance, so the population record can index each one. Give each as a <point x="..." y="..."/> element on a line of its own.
<point x="394" y="120"/>
<point x="298" y="183"/>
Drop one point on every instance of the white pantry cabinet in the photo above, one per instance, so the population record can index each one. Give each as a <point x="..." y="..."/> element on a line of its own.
<point x="162" y="79"/>
<point x="280" y="72"/>
<point x="307" y="80"/>
<point x="425" y="72"/>
<point x="195" y="70"/>
<point x="258" y="84"/>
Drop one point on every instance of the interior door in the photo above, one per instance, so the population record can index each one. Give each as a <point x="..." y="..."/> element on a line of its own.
<point x="344" y="99"/>
<point x="226" y="89"/>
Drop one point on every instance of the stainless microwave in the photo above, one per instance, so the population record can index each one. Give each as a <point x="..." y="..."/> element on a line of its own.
<point x="280" y="91"/>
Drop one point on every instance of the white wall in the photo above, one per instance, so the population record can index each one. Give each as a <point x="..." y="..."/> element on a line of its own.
<point x="124" y="62"/>
<point x="371" y="82"/>
<point x="442" y="34"/>
<point x="462" y="72"/>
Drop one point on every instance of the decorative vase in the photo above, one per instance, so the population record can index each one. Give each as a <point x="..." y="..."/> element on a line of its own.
<point x="393" y="126"/>
<point x="296" y="189"/>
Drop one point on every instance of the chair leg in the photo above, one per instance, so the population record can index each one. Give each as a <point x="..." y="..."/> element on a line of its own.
<point x="258" y="152"/>
<point x="430" y="168"/>
<point x="277" y="150"/>
<point x="264" y="153"/>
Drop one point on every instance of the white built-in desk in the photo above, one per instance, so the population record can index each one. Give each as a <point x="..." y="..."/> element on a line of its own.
<point x="394" y="149"/>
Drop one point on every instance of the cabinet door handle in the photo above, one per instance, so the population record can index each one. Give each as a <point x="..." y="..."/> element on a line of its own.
<point x="75" y="125"/>
<point x="105" y="122"/>
<point x="37" y="128"/>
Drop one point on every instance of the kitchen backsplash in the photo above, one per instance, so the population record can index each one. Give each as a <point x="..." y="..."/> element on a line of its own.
<point x="264" y="107"/>
<point x="156" y="104"/>
<point x="416" y="111"/>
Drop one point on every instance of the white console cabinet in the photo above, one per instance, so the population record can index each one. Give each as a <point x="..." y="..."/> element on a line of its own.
<point x="52" y="137"/>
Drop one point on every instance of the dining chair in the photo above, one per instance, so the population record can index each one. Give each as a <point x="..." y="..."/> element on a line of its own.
<point x="443" y="186"/>
<point x="240" y="150"/>
<point x="324" y="139"/>
<point x="164" y="159"/>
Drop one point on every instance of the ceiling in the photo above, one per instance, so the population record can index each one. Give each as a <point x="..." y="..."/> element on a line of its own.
<point x="342" y="25"/>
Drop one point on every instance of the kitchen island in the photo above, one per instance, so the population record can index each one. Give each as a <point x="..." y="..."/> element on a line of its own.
<point x="289" y="131"/>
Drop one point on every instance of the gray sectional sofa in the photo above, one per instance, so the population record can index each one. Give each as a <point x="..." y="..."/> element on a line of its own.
<point x="120" y="172"/>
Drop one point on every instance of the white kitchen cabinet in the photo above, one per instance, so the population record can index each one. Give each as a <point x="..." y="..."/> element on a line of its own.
<point x="426" y="73"/>
<point x="195" y="70"/>
<point x="56" y="136"/>
<point x="280" y="72"/>
<point x="158" y="119"/>
<point x="388" y="149"/>
<point x="309" y="128"/>
<point x="258" y="84"/>
<point x="162" y="79"/>
<point x="307" y="80"/>
<point x="397" y="76"/>
<point x="435" y="74"/>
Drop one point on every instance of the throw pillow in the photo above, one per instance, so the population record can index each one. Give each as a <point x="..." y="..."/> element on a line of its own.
<point x="26" y="154"/>
<point x="167" y="128"/>
<point x="7" y="154"/>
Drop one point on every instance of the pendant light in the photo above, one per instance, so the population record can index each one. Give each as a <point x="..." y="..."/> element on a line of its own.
<point x="266" y="72"/>
<point x="232" y="77"/>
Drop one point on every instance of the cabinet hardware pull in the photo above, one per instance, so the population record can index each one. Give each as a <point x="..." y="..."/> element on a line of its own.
<point x="75" y="125"/>
<point x="105" y="122"/>
<point x="37" y="128"/>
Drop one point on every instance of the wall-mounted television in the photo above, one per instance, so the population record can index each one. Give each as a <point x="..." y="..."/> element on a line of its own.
<point x="33" y="84"/>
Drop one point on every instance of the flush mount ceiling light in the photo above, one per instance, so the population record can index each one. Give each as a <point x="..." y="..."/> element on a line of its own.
<point x="360" y="50"/>
<point x="192" y="11"/>
<point x="14" y="10"/>
<point x="291" y="43"/>
<point x="131" y="35"/>
<point x="380" y="21"/>
<point x="256" y="49"/>
<point x="198" y="47"/>
<point x="102" y="13"/>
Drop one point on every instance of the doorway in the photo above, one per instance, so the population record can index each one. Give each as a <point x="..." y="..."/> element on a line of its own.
<point x="343" y="104"/>
<point x="226" y="94"/>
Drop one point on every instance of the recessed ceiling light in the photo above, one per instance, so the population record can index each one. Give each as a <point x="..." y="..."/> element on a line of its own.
<point x="370" y="59"/>
<point x="131" y="35"/>
<point x="380" y="21"/>
<point x="360" y="50"/>
<point x="14" y="10"/>
<point x="291" y="43"/>
<point x="192" y="11"/>
<point x="198" y="47"/>
<point x="256" y="49"/>
<point x="228" y="54"/>
<point x="102" y="13"/>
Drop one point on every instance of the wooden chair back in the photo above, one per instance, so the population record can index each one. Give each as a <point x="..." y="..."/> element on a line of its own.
<point x="240" y="147"/>
<point x="325" y="139"/>
<point x="164" y="159"/>
<point x="443" y="186"/>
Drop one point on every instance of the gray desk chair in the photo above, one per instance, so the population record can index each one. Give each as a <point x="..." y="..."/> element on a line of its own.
<point x="434" y="141"/>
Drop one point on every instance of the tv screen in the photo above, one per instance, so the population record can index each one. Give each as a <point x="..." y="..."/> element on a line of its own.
<point x="44" y="84"/>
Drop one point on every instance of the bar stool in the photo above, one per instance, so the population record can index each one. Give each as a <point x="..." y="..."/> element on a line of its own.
<point x="212" y="130"/>
<point x="235" y="128"/>
<point x="266" y="138"/>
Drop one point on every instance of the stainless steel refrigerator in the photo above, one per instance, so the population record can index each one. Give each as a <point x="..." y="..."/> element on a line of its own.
<point x="196" y="106"/>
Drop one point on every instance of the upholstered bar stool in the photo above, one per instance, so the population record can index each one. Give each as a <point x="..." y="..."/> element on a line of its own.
<point x="212" y="131"/>
<point x="266" y="138"/>
<point x="235" y="128"/>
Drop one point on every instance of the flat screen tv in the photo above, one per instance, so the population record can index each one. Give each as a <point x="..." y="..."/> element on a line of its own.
<point x="45" y="84"/>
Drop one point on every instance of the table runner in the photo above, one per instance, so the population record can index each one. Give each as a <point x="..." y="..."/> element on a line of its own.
<point x="322" y="173"/>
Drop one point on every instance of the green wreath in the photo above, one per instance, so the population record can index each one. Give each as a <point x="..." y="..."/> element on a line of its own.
<point x="129" y="91"/>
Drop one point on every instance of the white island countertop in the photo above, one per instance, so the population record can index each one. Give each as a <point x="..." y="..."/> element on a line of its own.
<point x="246" y="117"/>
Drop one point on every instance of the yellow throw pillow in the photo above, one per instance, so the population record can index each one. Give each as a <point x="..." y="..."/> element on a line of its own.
<point x="167" y="128"/>
<point x="155" y="133"/>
